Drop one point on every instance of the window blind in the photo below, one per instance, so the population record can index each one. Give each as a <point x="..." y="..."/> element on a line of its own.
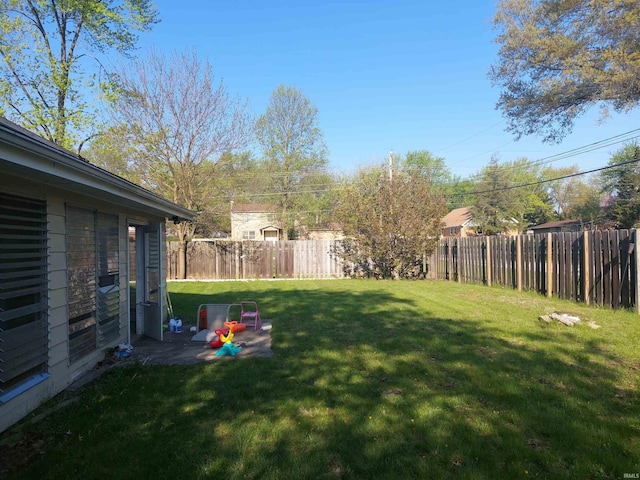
<point x="23" y="290"/>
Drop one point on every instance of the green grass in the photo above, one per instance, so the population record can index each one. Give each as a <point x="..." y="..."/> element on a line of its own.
<point x="369" y="379"/>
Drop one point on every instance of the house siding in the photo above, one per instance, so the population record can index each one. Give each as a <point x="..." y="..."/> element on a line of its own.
<point x="250" y="221"/>
<point x="37" y="169"/>
<point x="61" y="372"/>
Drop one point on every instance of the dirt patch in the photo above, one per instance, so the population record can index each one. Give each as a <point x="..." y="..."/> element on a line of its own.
<point x="19" y="451"/>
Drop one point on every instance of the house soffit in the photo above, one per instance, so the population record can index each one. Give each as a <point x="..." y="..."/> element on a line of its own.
<point x="24" y="154"/>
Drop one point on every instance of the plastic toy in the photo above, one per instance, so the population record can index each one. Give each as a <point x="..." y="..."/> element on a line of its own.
<point x="217" y="343"/>
<point x="227" y="348"/>
<point x="235" y="327"/>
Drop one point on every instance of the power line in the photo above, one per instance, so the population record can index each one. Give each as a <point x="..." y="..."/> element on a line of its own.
<point x="470" y="137"/>
<point x="540" y="182"/>
<point x="607" y="142"/>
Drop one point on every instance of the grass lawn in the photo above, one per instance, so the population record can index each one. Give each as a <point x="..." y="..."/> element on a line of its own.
<point x="369" y="379"/>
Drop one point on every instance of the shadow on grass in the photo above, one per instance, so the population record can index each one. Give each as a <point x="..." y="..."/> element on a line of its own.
<point x="363" y="384"/>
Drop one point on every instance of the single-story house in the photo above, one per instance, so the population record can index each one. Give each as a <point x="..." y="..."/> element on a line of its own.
<point x="255" y="221"/>
<point x="558" y="226"/>
<point x="64" y="267"/>
<point x="458" y="223"/>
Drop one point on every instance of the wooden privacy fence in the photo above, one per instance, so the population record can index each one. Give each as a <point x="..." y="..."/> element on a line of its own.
<point x="597" y="267"/>
<point x="229" y="260"/>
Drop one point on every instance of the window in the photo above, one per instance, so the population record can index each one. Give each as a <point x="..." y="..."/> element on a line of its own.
<point x="23" y="294"/>
<point x="108" y="295"/>
<point x="249" y="235"/>
<point x="93" y="276"/>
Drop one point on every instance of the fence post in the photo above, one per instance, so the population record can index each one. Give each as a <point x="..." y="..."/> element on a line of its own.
<point x="489" y="272"/>
<point x="636" y="253"/>
<point x="586" y="267"/>
<point x="458" y="260"/>
<point x="519" y="266"/>
<point x="549" y="265"/>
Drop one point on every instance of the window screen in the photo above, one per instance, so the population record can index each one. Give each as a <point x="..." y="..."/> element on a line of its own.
<point x="94" y="283"/>
<point x="81" y="271"/>
<point x="23" y="290"/>
<point x="108" y="294"/>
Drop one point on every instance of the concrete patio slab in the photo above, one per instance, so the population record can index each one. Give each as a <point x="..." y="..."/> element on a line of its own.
<point x="178" y="349"/>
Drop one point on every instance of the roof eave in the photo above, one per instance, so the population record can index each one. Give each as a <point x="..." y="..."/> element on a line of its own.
<point x="55" y="165"/>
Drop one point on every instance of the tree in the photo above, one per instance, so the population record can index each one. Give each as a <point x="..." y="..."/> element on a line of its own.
<point x="114" y="150"/>
<point x="181" y="122"/>
<point x="460" y="192"/>
<point x="587" y="202"/>
<point x="563" y="192"/>
<point x="574" y="197"/>
<point x="558" y="58"/>
<point x="622" y="183"/>
<point x="292" y="145"/>
<point x="425" y="164"/>
<point x="46" y="47"/>
<point x="390" y="224"/>
<point x="509" y="197"/>
<point x="235" y="178"/>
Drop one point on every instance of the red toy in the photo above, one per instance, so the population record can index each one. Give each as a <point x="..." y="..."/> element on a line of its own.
<point x="217" y="343"/>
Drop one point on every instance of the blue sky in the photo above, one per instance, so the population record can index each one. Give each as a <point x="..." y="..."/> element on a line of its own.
<point x="401" y="76"/>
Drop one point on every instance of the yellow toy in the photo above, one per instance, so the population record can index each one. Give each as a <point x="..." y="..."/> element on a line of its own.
<point x="228" y="348"/>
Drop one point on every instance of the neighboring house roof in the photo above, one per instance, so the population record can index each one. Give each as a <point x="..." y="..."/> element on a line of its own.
<point x="253" y="208"/>
<point x="56" y="166"/>
<point x="270" y="228"/>
<point x="557" y="224"/>
<point x="460" y="217"/>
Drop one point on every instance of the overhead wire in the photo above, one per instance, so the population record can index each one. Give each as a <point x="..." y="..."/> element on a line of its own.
<point x="607" y="142"/>
<point x="616" y="139"/>
<point x="549" y="180"/>
<point x="469" y="137"/>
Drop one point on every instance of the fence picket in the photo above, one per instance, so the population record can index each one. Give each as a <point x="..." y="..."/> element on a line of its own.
<point x="597" y="267"/>
<point x="555" y="264"/>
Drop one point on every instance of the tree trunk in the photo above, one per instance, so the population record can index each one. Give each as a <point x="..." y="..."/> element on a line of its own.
<point x="181" y="272"/>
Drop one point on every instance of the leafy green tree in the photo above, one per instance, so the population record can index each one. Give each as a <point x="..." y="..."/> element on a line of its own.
<point x="509" y="197"/>
<point x="113" y="150"/>
<point x="587" y="202"/>
<point x="460" y="192"/>
<point x="563" y="192"/>
<point x="574" y="197"/>
<point x="292" y="145"/>
<point x="390" y="224"/>
<point x="46" y="49"/>
<point x="558" y="58"/>
<point x="427" y="165"/>
<point x="235" y="177"/>
<point x="181" y="121"/>
<point x="494" y="208"/>
<point x="623" y="185"/>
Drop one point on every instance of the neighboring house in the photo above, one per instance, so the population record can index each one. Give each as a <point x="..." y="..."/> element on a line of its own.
<point x="64" y="267"/>
<point x="558" y="226"/>
<point x="254" y="221"/>
<point x="458" y="223"/>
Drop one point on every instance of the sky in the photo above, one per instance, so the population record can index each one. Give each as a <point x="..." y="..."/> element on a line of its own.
<point x="385" y="76"/>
